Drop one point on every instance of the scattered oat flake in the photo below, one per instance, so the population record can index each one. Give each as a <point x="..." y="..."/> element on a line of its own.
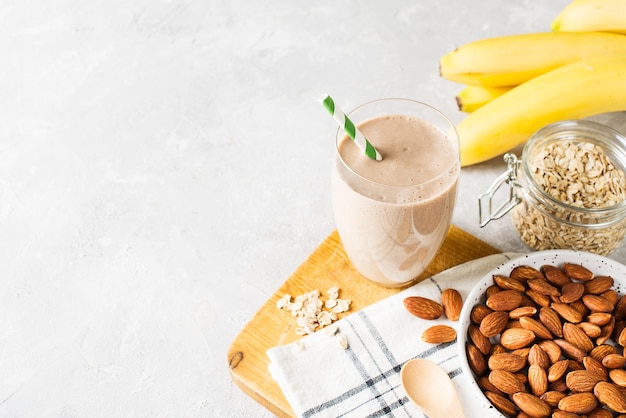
<point x="323" y="318"/>
<point x="282" y="302"/>
<point x="343" y="341"/>
<point x="311" y="312"/>
<point x="342" y="305"/>
<point x="331" y="330"/>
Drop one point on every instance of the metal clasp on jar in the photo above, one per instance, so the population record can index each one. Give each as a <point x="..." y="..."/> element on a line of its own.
<point x="487" y="209"/>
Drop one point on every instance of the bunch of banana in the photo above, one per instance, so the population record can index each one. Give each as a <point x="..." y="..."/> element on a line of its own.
<point x="518" y="84"/>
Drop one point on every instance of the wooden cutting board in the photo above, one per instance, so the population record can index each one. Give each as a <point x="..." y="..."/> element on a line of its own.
<point x="326" y="267"/>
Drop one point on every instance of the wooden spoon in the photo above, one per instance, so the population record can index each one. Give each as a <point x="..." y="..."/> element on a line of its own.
<point x="429" y="387"/>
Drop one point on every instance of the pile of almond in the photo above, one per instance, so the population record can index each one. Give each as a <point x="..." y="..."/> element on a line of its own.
<point x="549" y="342"/>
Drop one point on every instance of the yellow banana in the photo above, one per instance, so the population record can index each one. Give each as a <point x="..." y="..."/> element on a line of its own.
<point x="592" y="15"/>
<point x="512" y="60"/>
<point x="573" y="91"/>
<point x="472" y="97"/>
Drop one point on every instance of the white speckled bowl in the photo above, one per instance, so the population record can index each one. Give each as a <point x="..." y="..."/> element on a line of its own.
<point x="599" y="265"/>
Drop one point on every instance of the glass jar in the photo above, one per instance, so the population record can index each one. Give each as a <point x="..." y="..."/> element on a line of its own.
<point x="568" y="189"/>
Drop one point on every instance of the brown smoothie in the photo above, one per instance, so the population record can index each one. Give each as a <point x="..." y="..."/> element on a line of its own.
<point x="392" y="215"/>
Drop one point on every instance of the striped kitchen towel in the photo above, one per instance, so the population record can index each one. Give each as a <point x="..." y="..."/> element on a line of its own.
<point x="322" y="378"/>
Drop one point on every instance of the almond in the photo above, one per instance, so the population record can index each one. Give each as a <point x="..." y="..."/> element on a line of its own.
<point x="521" y="376"/>
<point x="577" y="336"/>
<point x="492" y="290"/>
<point x="506" y="300"/>
<point x="602" y="350"/>
<point x="597" y="303"/>
<point x="611" y="295"/>
<point x="476" y="360"/>
<point x="526" y="301"/>
<point x="531" y="405"/>
<point x="513" y="323"/>
<point x="508" y="283"/>
<point x="537" y="380"/>
<point x="550" y="319"/>
<point x="611" y="396"/>
<point x="562" y="414"/>
<point x="506" y="361"/>
<point x="558" y="385"/>
<point x="598" y="285"/>
<point x="552" y="397"/>
<point x="525" y="273"/>
<point x="578" y="403"/>
<point x="577" y="272"/>
<point x="497" y="349"/>
<point x="613" y="361"/>
<point x="620" y="308"/>
<point x="480" y="341"/>
<point x="569" y="350"/>
<point x="567" y="312"/>
<point x="581" y="381"/>
<point x="580" y="307"/>
<point x="506" y="382"/>
<point x="555" y="275"/>
<point x="439" y="334"/>
<point x="592" y="330"/>
<point x="501" y="403"/>
<point x="479" y="312"/>
<point x="572" y="292"/>
<point x="536" y="327"/>
<point x="606" y="333"/>
<point x="423" y="307"/>
<point x="452" y="304"/>
<point x="542" y="286"/>
<point x="522" y="352"/>
<point x="514" y="338"/>
<point x="557" y="370"/>
<point x="537" y="356"/>
<point x="600" y="412"/>
<point x="552" y="350"/>
<point x="494" y="323"/>
<point x="595" y="366"/>
<point x="618" y="376"/>
<point x="599" y="318"/>
<point x="539" y="298"/>
<point x="487" y="386"/>
<point x="517" y="313"/>
<point x="576" y="365"/>
<point x="617" y="330"/>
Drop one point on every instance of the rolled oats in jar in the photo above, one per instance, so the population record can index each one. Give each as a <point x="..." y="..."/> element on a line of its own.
<point x="568" y="190"/>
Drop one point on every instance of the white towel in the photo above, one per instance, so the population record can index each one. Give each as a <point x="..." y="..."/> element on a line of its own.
<point x="321" y="379"/>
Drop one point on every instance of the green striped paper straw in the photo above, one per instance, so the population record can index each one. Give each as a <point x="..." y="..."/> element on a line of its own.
<point x="351" y="130"/>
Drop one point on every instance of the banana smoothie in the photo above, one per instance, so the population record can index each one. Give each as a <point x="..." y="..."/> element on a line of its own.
<point x="393" y="215"/>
